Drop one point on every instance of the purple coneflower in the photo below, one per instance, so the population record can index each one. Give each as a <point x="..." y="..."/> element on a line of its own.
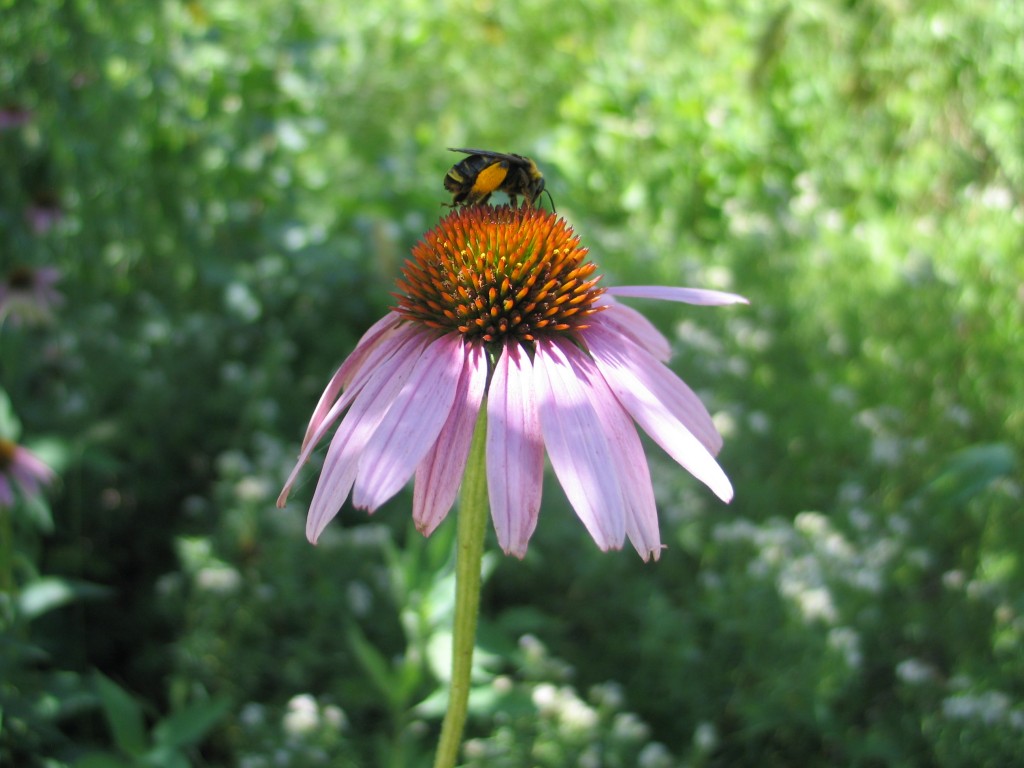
<point x="22" y="468"/>
<point x="42" y="216"/>
<point x="497" y="309"/>
<point x="27" y="294"/>
<point x="14" y="116"/>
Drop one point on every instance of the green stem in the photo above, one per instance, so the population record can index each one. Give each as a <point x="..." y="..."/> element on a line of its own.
<point x="6" y="553"/>
<point x="473" y="514"/>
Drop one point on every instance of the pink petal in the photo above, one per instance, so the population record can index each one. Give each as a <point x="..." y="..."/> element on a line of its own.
<point x="634" y="474"/>
<point x="370" y="342"/>
<point x="439" y="475"/>
<point x="28" y="482"/>
<point x="572" y="417"/>
<point x="628" y="367"/>
<point x="701" y="296"/>
<point x="29" y="468"/>
<point x="28" y="472"/>
<point x="515" y="450"/>
<point x="388" y="356"/>
<point x="652" y="396"/>
<point x="411" y="424"/>
<point x="629" y="322"/>
<point x="355" y="430"/>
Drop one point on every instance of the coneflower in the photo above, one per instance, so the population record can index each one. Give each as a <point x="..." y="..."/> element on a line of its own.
<point x="498" y="309"/>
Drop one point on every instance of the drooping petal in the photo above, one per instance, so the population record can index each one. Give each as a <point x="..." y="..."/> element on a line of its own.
<point x="630" y="323"/>
<point x="702" y="296"/>
<point x="411" y="424"/>
<point x="359" y="360"/>
<point x="652" y="396"/>
<point x="515" y="450"/>
<point x="575" y="437"/>
<point x="387" y="356"/>
<point x="629" y="368"/>
<point x="27" y="481"/>
<point x="342" y="461"/>
<point x="439" y="475"/>
<point x="634" y="473"/>
<point x="31" y="472"/>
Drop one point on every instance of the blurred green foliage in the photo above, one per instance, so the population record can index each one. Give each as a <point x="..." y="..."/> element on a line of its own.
<point x="229" y="189"/>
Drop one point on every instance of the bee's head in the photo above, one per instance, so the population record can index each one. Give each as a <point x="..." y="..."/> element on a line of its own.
<point x="537" y="185"/>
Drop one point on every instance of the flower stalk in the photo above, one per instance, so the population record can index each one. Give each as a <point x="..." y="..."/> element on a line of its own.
<point x="6" y="553"/>
<point x="472" y="528"/>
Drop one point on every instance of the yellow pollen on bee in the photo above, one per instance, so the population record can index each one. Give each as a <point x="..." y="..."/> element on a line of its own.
<point x="489" y="179"/>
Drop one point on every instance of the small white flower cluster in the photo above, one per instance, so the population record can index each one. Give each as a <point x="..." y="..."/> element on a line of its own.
<point x="915" y="672"/>
<point x="218" y="579"/>
<point x="705" y="737"/>
<point x="541" y="663"/>
<point x="993" y="708"/>
<point x="809" y="558"/>
<point x="567" y="729"/>
<point x="305" y="715"/>
<point x="209" y="573"/>
<point x="889" y="446"/>
<point x="561" y="704"/>
<point x="846" y="641"/>
<point x="309" y="732"/>
<point x="655" y="755"/>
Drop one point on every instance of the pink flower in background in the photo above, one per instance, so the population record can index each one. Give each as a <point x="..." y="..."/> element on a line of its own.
<point x="43" y="216"/>
<point x="498" y="309"/>
<point x="28" y="295"/>
<point x="14" y="116"/>
<point x="22" y="469"/>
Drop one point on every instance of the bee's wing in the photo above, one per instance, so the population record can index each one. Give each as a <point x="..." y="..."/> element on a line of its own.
<point x="485" y="153"/>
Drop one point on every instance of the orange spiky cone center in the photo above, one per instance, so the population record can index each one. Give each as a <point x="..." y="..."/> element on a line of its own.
<point x="500" y="273"/>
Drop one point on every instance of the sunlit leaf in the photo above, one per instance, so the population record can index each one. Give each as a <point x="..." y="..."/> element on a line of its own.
<point x="49" y="593"/>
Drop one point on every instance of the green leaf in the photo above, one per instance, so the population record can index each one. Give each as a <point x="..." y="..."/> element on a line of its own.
<point x="970" y="471"/>
<point x="124" y="716"/>
<point x="376" y="666"/>
<point x="50" y="593"/>
<point x="165" y="757"/>
<point x="188" y="726"/>
<point x="36" y="510"/>
<point x="101" y="760"/>
<point x="10" y="428"/>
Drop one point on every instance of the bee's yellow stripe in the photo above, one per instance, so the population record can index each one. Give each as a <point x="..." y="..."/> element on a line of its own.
<point x="489" y="179"/>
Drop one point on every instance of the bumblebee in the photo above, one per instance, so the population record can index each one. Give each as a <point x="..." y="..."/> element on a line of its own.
<point x="473" y="179"/>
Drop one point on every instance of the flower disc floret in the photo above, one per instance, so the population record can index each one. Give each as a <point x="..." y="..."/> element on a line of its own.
<point x="8" y="451"/>
<point x="495" y="274"/>
<point x="27" y="294"/>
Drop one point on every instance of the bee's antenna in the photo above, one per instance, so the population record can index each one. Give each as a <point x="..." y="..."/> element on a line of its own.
<point x="551" y="200"/>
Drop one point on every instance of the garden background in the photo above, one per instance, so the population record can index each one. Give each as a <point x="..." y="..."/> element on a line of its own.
<point x="229" y="188"/>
